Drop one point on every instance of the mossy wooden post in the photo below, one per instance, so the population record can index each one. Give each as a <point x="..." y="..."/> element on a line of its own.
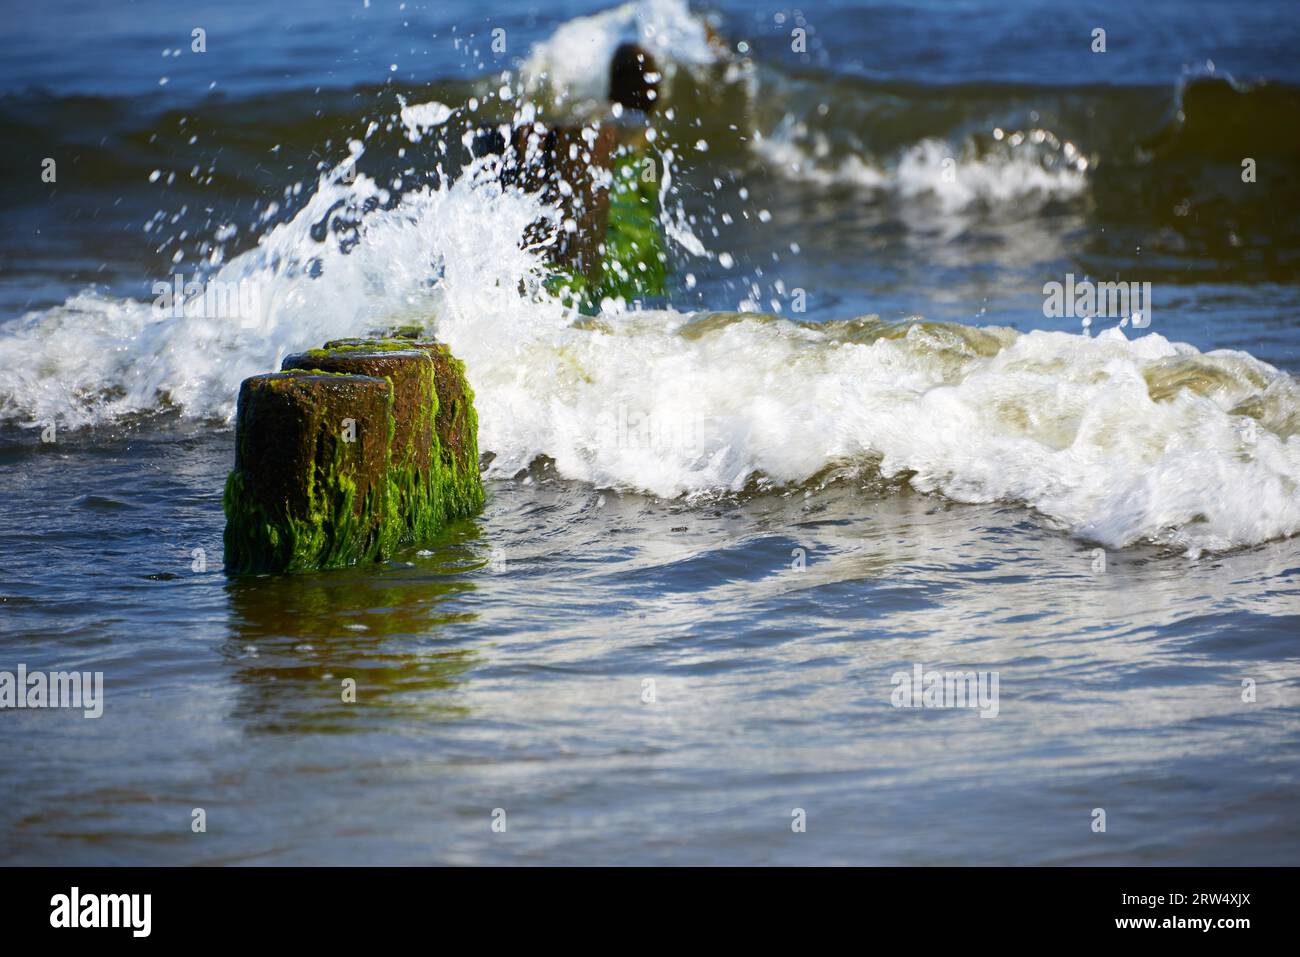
<point x="414" y="512"/>
<point x="297" y="499"/>
<point x="582" y="159"/>
<point x="309" y="488"/>
<point x="568" y="165"/>
<point x="455" y="423"/>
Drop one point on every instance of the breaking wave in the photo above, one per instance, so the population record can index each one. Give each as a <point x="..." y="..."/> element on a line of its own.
<point x="1113" y="439"/>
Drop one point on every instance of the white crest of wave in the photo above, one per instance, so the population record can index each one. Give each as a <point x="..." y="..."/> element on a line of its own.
<point x="95" y="359"/>
<point x="957" y="182"/>
<point x="679" y="405"/>
<point x="575" y="58"/>
<point x="955" y="179"/>
<point x="1064" y="423"/>
<point x="656" y="401"/>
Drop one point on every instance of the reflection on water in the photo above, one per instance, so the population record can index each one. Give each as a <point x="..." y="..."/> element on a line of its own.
<point x="298" y="640"/>
<point x="505" y="666"/>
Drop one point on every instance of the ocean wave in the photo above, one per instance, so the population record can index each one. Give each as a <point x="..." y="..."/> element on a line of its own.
<point x="1026" y="171"/>
<point x="1112" y="439"/>
<point x="574" y="60"/>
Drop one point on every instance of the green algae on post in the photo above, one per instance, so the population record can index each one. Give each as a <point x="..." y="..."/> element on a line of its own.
<point x="414" y="512"/>
<point x="309" y="488"/>
<point x="347" y="453"/>
<point x="455" y="422"/>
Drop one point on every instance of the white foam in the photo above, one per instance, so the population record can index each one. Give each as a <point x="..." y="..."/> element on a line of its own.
<point x="95" y="359"/>
<point x="960" y="181"/>
<point x="799" y="156"/>
<point x="422" y="117"/>
<point x="575" y="59"/>
<point x="1065" y="423"/>
<point x="1097" y="434"/>
<point x="955" y="179"/>
<point x="1062" y="422"/>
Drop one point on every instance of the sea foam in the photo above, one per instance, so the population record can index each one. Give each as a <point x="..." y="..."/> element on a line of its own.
<point x="1113" y="439"/>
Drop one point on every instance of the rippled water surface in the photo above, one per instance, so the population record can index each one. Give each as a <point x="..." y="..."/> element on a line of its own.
<point x="716" y="526"/>
<point x="515" y="679"/>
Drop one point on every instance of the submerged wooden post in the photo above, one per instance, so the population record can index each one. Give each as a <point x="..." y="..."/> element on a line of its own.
<point x="347" y="453"/>
<point x="581" y="158"/>
<point x="568" y="165"/>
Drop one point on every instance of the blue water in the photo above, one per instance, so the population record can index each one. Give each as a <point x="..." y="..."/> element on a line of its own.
<point x="75" y="47"/>
<point x="505" y="666"/>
